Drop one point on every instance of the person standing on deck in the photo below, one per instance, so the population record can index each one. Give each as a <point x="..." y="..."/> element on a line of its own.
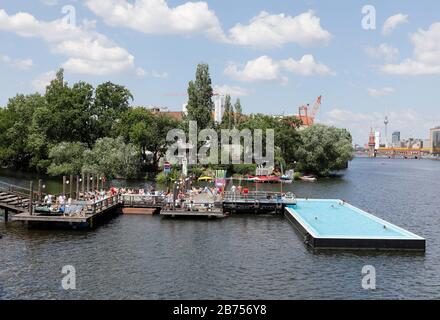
<point x="239" y="189"/>
<point x="245" y="192"/>
<point x="233" y="189"/>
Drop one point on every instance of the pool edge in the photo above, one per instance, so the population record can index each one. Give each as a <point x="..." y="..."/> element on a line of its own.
<point x="316" y="242"/>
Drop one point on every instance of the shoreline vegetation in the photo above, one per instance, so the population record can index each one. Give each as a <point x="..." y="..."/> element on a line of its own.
<point x="70" y="130"/>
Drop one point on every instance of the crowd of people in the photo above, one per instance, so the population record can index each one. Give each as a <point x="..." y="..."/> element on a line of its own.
<point x="182" y="196"/>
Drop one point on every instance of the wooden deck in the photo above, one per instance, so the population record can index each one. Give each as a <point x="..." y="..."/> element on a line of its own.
<point x="86" y="213"/>
<point x="256" y="202"/>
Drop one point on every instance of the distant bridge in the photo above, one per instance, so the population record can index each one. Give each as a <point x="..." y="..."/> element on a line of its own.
<point x="403" y="152"/>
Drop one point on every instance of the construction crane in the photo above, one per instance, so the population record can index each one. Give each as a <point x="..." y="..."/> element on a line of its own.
<point x="308" y="117"/>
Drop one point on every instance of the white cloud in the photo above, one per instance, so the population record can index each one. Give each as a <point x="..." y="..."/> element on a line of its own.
<point x="21" y="64"/>
<point x="306" y="66"/>
<point x="160" y="75"/>
<point x="266" y="69"/>
<point x="426" y="58"/>
<point x="156" y="17"/>
<point x="263" y="31"/>
<point x="140" y="72"/>
<point x="260" y="69"/>
<point x="270" y="30"/>
<point x="88" y="51"/>
<point x="43" y="80"/>
<point x="383" y="51"/>
<point x="380" y="92"/>
<point x="393" y="22"/>
<point x="234" y="91"/>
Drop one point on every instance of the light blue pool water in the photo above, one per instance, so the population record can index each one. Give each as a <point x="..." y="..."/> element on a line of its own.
<point x="332" y="218"/>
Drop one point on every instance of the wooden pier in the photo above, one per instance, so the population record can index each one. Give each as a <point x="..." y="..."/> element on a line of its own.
<point x="79" y="214"/>
<point x="27" y="206"/>
<point x="14" y="199"/>
<point x="257" y="202"/>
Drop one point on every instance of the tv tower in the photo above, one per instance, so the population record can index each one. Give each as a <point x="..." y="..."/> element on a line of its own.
<point x="386" y="130"/>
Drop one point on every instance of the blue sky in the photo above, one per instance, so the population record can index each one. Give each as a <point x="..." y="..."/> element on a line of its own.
<point x="274" y="55"/>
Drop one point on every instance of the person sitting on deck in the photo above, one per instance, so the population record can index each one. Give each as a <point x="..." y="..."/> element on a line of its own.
<point x="48" y="200"/>
<point x="62" y="203"/>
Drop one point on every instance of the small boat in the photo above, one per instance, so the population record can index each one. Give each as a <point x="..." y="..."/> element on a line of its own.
<point x="264" y="179"/>
<point x="308" y="178"/>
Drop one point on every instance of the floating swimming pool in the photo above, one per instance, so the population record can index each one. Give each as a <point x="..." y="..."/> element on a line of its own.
<point x="334" y="224"/>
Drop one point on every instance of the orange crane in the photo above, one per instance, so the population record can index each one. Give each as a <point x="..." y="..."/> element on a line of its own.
<point x="308" y="119"/>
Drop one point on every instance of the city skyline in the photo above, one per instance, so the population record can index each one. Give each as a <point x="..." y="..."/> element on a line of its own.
<point x="280" y="55"/>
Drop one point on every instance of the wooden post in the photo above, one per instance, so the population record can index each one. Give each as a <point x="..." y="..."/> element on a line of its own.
<point x="82" y="184"/>
<point x="31" y="197"/>
<point x="64" y="185"/>
<point x="174" y="197"/>
<point x="40" y="183"/>
<point x="71" y="186"/>
<point x="6" y="215"/>
<point x="77" y="188"/>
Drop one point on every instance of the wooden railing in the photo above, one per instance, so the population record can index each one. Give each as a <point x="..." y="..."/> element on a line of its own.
<point x="252" y="196"/>
<point x="106" y="203"/>
<point x="141" y="199"/>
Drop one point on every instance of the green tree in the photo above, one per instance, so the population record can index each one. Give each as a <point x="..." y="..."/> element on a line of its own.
<point x="228" y="120"/>
<point x="16" y="118"/>
<point x="286" y="136"/>
<point x="148" y="131"/>
<point x="238" y="111"/>
<point x="66" y="158"/>
<point x="324" y="149"/>
<point x="112" y="158"/>
<point x="111" y="101"/>
<point x="200" y="105"/>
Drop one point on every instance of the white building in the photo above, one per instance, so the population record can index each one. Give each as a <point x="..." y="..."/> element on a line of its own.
<point x="219" y="107"/>
<point x="377" y="140"/>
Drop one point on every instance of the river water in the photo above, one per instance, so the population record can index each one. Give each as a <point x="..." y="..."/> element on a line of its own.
<point x="247" y="257"/>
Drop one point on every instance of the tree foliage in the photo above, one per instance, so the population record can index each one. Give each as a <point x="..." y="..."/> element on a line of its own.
<point x="228" y="114"/>
<point x="66" y="158"/>
<point x="200" y="105"/>
<point x="112" y="158"/>
<point x="324" y="149"/>
<point x="286" y="136"/>
<point x="238" y="112"/>
<point x="77" y="128"/>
